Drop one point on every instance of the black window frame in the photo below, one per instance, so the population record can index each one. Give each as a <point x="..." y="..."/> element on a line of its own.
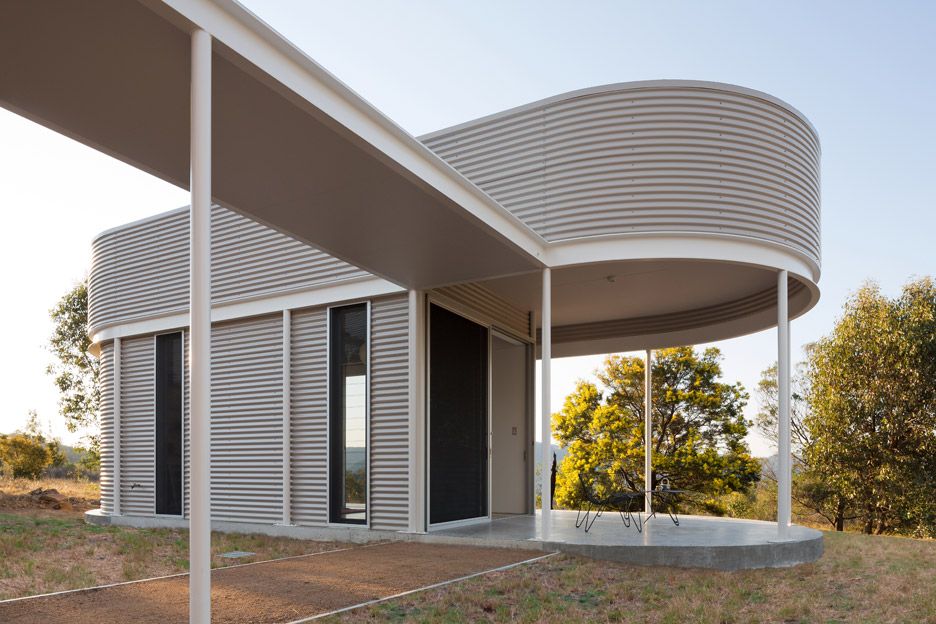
<point x="337" y="514"/>
<point x="169" y="423"/>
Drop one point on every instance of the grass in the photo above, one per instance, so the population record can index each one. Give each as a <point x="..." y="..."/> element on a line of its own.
<point x="40" y="554"/>
<point x="866" y="579"/>
<point x="42" y="550"/>
<point x="72" y="488"/>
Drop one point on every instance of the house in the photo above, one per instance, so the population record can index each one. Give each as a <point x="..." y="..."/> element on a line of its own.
<point x="342" y="400"/>
<point x="668" y="213"/>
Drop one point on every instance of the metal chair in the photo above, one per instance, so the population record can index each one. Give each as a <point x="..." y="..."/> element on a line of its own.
<point x="621" y="502"/>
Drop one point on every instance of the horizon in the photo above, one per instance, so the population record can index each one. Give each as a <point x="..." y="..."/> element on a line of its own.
<point x="870" y="105"/>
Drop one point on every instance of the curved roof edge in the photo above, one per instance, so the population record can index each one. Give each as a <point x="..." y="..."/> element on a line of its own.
<point x="625" y="86"/>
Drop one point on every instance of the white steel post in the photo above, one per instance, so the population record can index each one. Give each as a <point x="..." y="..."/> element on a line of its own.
<point x="200" y="349"/>
<point x="287" y="417"/>
<point x="417" y="393"/>
<point x="546" y="449"/>
<point x="648" y="433"/>
<point x="784" y="476"/>
<point x="115" y="479"/>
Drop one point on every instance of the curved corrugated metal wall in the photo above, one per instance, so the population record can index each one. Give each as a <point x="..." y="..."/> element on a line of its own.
<point x="670" y="157"/>
<point x="142" y="270"/>
<point x="138" y="426"/>
<point x="106" y="422"/>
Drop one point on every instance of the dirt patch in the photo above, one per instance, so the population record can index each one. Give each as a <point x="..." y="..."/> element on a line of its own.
<point x="62" y="496"/>
<point x="278" y="591"/>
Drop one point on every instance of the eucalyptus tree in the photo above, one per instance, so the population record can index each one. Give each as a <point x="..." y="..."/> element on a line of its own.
<point x="698" y="427"/>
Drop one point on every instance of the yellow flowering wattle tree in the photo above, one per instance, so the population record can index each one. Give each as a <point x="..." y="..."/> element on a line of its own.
<point x="698" y="428"/>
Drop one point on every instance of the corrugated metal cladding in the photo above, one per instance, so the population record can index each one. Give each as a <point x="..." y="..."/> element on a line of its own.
<point x="665" y="323"/>
<point x="106" y="421"/>
<point x="309" y="407"/>
<point x="137" y="426"/>
<point x="389" y="419"/>
<point x="648" y="158"/>
<point x="247" y="420"/>
<point x="246" y="428"/>
<point x="141" y="270"/>
<point x="389" y="415"/>
<point x="488" y="307"/>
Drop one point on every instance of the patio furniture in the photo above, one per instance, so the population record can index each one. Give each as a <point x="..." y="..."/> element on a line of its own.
<point x="668" y="498"/>
<point x="621" y="502"/>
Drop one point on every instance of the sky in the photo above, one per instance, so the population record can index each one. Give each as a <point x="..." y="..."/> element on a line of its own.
<point x="862" y="72"/>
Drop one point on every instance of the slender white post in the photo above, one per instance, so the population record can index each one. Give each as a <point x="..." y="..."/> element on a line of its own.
<point x="200" y="350"/>
<point x="648" y="432"/>
<point x="287" y="417"/>
<point x="417" y="430"/>
<point x="784" y="476"/>
<point x="546" y="448"/>
<point x="115" y="480"/>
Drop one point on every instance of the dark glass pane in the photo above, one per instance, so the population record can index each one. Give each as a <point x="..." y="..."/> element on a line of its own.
<point x="458" y="413"/>
<point x="348" y="414"/>
<point x="169" y="424"/>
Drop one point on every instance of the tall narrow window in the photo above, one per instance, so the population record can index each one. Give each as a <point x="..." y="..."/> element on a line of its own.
<point x="347" y="353"/>
<point x="169" y="424"/>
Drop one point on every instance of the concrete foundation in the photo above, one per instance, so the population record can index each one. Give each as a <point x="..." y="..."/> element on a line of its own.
<point x="698" y="541"/>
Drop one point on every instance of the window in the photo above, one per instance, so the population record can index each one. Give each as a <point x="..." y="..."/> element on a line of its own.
<point x="169" y="424"/>
<point x="347" y="405"/>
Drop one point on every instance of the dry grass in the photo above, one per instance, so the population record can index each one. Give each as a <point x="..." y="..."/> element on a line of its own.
<point x="72" y="488"/>
<point x="43" y="550"/>
<point x="864" y="579"/>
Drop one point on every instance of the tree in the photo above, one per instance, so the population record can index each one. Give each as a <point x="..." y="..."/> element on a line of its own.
<point x="810" y="488"/>
<point x="23" y="456"/>
<point x="766" y="418"/>
<point x="698" y="427"/>
<point x="872" y="400"/>
<point x="75" y="371"/>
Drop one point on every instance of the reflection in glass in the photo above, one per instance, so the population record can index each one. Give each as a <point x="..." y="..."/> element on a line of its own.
<point x="348" y="414"/>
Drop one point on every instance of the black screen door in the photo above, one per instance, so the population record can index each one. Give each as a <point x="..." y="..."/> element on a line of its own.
<point x="458" y="417"/>
<point x="169" y="424"/>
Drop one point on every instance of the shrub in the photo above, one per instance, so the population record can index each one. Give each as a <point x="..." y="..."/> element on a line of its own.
<point x="24" y="456"/>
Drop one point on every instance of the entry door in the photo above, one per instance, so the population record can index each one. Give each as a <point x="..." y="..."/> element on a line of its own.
<point x="458" y="417"/>
<point x="511" y="443"/>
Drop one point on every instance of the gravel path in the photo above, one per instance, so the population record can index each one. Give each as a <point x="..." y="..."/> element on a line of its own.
<point x="275" y="591"/>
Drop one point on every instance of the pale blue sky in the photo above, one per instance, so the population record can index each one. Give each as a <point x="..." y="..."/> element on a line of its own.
<point x="862" y="72"/>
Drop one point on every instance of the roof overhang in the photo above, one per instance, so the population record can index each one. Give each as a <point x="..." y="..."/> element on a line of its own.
<point x="293" y="147"/>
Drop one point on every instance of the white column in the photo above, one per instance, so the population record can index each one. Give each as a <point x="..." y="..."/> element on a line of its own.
<point x="546" y="448"/>
<point x="648" y="432"/>
<point x="417" y="421"/>
<point x="115" y="481"/>
<point x="784" y="475"/>
<point x="200" y="349"/>
<point x="287" y="417"/>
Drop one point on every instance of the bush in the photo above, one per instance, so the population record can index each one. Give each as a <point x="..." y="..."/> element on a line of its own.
<point x="24" y="456"/>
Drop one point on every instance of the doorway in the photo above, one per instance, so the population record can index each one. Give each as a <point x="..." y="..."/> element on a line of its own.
<point x="458" y="417"/>
<point x="511" y="439"/>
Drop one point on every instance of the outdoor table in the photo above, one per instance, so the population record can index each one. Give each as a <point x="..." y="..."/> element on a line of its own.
<point x="668" y="497"/>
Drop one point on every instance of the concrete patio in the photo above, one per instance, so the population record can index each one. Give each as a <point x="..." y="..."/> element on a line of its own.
<point x="698" y="541"/>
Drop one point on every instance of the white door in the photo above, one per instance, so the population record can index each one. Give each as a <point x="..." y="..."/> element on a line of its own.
<point x="509" y="427"/>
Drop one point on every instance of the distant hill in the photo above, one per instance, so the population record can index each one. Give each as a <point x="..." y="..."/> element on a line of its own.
<point x="558" y="450"/>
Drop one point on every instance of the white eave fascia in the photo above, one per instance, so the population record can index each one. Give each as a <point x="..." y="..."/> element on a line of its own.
<point x="247" y="35"/>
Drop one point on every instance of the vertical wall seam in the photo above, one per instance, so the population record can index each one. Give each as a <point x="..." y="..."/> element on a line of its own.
<point x="116" y="427"/>
<point x="287" y="417"/>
